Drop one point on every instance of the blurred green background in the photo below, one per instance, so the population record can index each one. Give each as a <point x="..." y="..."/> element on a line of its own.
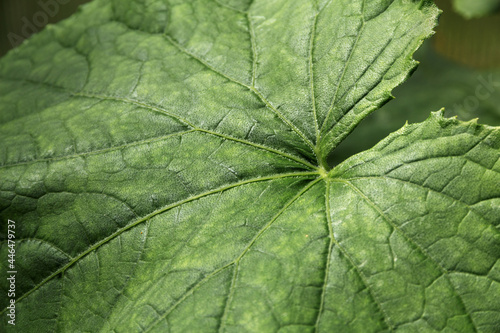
<point x="20" y="18"/>
<point x="460" y="68"/>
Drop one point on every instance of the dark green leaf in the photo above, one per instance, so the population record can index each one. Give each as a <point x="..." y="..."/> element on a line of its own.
<point x="164" y="162"/>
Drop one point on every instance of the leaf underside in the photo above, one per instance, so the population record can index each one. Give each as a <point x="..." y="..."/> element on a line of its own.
<point x="165" y="163"/>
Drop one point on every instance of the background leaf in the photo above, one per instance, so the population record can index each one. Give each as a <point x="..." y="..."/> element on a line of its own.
<point x="478" y="8"/>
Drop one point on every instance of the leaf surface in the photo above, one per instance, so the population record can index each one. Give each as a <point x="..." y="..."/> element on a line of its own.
<point x="167" y="173"/>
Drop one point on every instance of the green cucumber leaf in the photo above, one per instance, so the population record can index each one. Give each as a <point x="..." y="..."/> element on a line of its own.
<point x="165" y="165"/>
<point x="477" y="8"/>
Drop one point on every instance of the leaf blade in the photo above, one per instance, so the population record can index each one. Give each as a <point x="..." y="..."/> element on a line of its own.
<point x="434" y="212"/>
<point x="131" y="172"/>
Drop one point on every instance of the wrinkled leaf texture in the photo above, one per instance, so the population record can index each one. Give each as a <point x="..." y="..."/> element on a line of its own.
<point x="164" y="162"/>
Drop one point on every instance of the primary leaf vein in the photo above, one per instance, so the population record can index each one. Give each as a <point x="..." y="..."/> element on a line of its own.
<point x="361" y="275"/>
<point x="344" y="70"/>
<point x="386" y="178"/>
